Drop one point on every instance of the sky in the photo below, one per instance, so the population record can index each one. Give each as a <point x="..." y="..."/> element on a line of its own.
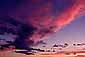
<point x="58" y="18"/>
<point x="73" y="33"/>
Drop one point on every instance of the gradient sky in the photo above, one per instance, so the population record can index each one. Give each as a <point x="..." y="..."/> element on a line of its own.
<point x="72" y="33"/>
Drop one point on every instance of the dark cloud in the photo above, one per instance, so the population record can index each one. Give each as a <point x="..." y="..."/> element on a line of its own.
<point x="23" y="33"/>
<point x="41" y="42"/>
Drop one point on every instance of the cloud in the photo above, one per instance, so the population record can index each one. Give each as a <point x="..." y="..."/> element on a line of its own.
<point x="38" y="18"/>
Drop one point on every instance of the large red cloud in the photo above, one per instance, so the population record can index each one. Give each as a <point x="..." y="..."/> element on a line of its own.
<point x="48" y="23"/>
<point x="40" y="14"/>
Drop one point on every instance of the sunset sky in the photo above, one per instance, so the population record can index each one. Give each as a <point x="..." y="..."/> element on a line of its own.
<point x="62" y="19"/>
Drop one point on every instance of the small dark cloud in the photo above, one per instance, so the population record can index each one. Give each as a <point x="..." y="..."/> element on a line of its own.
<point x="41" y="43"/>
